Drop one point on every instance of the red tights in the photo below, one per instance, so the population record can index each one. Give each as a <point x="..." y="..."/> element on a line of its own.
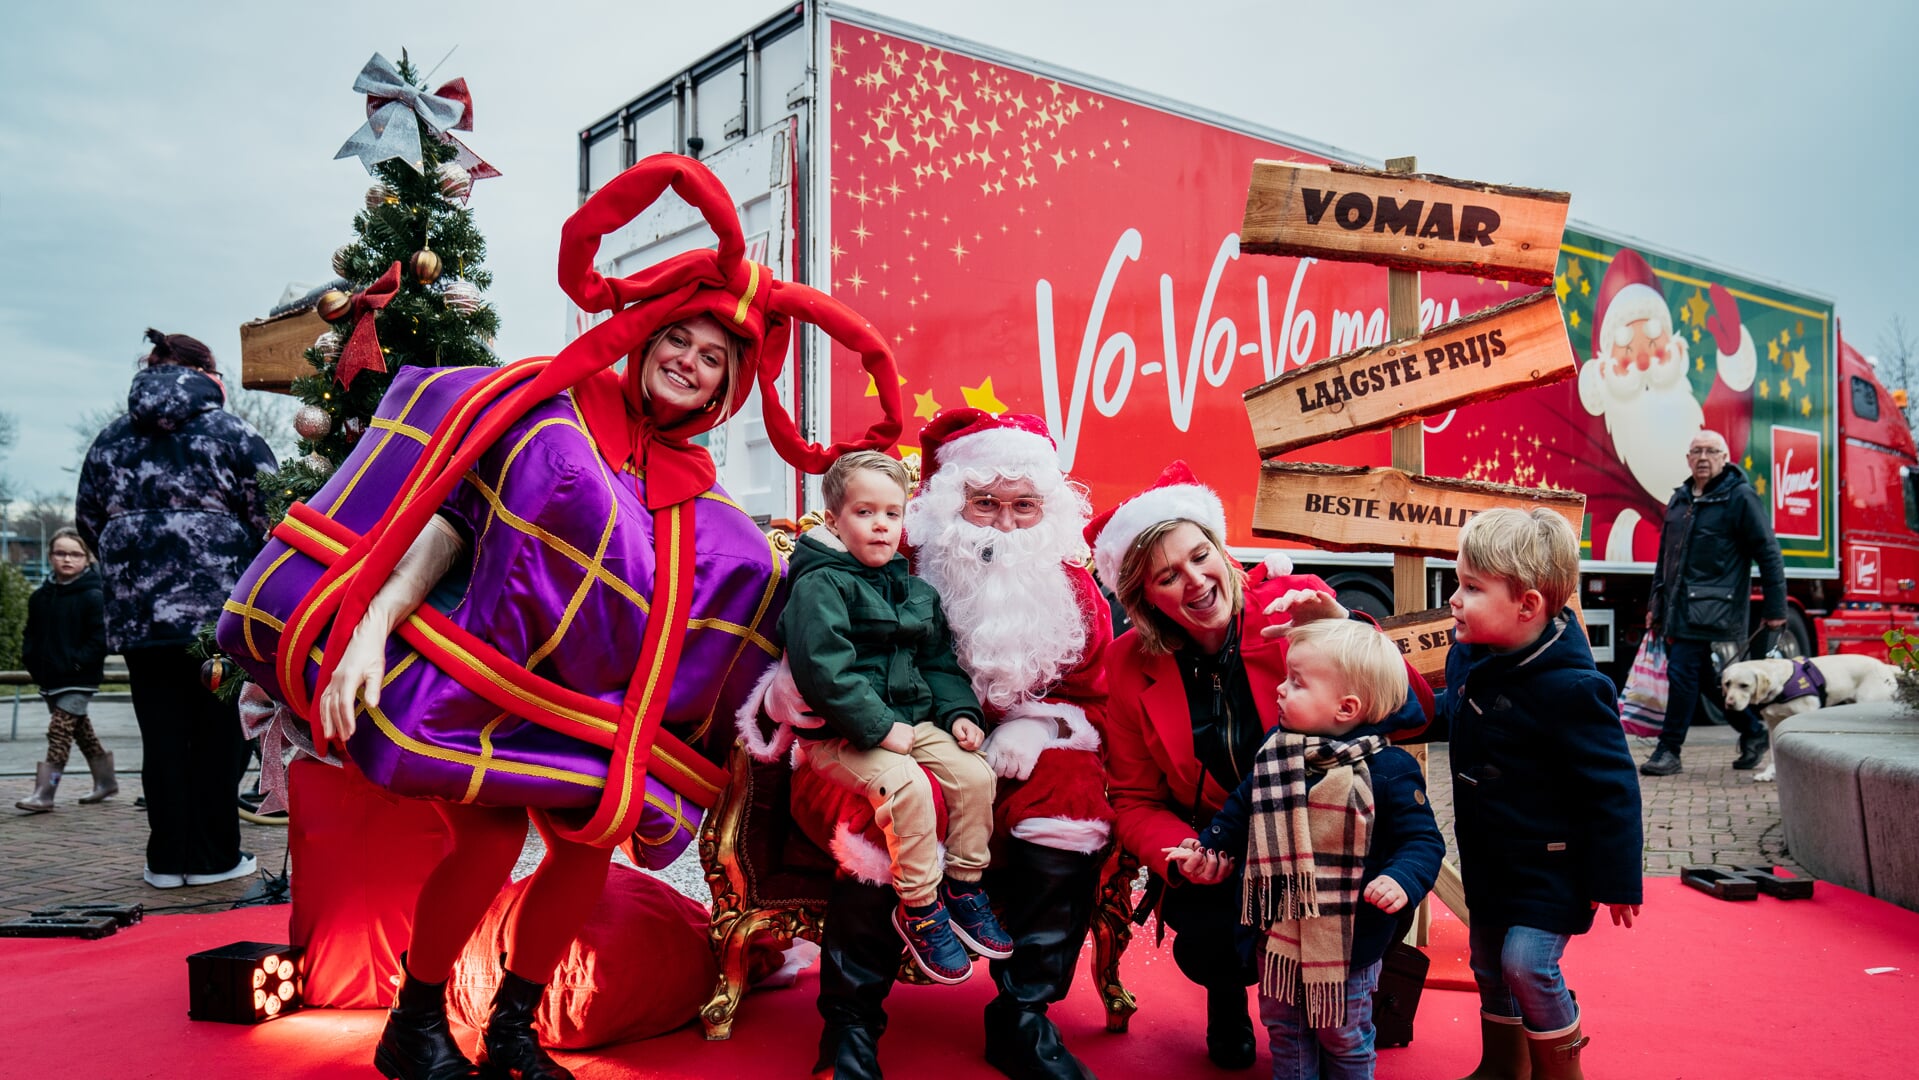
<point x="486" y="842"/>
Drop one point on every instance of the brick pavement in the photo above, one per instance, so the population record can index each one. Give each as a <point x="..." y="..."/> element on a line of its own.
<point x="1706" y="814"/>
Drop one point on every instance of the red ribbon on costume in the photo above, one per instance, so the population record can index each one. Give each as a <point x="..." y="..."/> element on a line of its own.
<point x="362" y="351"/>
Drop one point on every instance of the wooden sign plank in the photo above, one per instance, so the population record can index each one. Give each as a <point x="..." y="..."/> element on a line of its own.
<point x="273" y="351"/>
<point x="1499" y="351"/>
<point x="1408" y="221"/>
<point x="1353" y="508"/>
<point x="1424" y="639"/>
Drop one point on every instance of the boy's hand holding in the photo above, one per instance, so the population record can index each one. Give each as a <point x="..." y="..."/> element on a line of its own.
<point x="1304" y="605"/>
<point x="1622" y="914"/>
<point x="1385" y="894"/>
<point x="899" y="739"/>
<point x="1199" y="865"/>
<point x="968" y="734"/>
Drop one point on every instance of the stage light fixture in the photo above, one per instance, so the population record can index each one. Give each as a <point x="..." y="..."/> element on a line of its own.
<point x="246" y="982"/>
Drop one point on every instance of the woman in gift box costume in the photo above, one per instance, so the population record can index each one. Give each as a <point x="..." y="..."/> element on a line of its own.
<point x="527" y="595"/>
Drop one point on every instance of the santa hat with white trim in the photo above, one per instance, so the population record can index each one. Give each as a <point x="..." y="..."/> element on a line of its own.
<point x="1014" y="443"/>
<point x="1176" y="494"/>
<point x="1628" y="293"/>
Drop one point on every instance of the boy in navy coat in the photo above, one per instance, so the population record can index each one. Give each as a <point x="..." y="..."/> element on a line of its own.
<point x="1545" y="797"/>
<point x="1323" y="882"/>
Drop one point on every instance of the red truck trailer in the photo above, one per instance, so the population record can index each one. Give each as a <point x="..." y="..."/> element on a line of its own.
<point x="1042" y="241"/>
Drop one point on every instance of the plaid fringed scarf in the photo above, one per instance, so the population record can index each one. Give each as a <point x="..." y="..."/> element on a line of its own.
<point x="1304" y="864"/>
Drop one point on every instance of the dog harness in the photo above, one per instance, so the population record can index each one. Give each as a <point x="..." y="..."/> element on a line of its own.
<point x="1806" y="681"/>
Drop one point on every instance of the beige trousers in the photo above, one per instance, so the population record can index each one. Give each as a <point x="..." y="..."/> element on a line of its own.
<point x="902" y="801"/>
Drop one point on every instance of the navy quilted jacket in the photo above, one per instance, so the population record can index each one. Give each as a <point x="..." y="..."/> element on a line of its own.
<point x="170" y="499"/>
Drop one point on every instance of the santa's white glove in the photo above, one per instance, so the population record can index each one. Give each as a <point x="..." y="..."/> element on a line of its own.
<point x="784" y="704"/>
<point x="1738" y="357"/>
<point x="1014" y="747"/>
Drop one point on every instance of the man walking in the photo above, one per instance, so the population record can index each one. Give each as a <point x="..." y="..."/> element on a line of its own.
<point x="1716" y="526"/>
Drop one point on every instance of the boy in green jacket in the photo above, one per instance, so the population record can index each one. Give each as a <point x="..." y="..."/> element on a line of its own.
<point x="872" y="656"/>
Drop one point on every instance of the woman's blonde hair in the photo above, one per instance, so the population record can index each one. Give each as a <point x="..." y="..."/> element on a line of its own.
<point x="735" y="359"/>
<point x="1160" y="633"/>
<point x="1526" y="549"/>
<point x="1366" y="662"/>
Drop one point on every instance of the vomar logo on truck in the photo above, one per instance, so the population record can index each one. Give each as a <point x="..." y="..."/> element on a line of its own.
<point x="1796" y="483"/>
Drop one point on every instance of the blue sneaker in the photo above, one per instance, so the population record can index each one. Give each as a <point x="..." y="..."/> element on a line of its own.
<point x="974" y="923"/>
<point x="930" y="939"/>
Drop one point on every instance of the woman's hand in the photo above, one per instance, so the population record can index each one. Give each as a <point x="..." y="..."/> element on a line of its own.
<point x="1304" y="605"/>
<point x="1199" y="865"/>
<point x="362" y="669"/>
<point x="1385" y="894"/>
<point x="968" y="734"/>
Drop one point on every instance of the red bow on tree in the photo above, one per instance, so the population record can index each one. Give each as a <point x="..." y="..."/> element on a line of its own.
<point x="362" y="352"/>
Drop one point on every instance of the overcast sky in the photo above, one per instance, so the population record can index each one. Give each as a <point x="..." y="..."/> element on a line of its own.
<point x="170" y="165"/>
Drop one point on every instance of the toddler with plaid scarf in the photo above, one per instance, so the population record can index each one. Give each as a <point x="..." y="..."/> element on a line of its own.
<point x="1366" y="833"/>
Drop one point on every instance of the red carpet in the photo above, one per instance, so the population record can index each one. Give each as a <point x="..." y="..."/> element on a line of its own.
<point x="1701" y="989"/>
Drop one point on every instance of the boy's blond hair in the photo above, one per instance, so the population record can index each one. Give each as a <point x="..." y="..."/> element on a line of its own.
<point x="1368" y="664"/>
<point x="833" y="484"/>
<point x="1526" y="549"/>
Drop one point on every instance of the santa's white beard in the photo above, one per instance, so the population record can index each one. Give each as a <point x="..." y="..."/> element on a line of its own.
<point x="1651" y="431"/>
<point x="1017" y="625"/>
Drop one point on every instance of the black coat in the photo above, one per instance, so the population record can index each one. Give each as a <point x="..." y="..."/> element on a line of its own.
<point x="65" y="647"/>
<point x="170" y="499"/>
<point x="1545" y="795"/>
<point x="1706" y="551"/>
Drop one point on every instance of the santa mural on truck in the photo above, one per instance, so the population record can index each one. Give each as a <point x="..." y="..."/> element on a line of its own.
<point x="1639" y="378"/>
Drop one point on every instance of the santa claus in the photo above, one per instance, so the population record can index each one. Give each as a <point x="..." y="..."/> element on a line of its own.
<point x="1638" y="379"/>
<point x="996" y="527"/>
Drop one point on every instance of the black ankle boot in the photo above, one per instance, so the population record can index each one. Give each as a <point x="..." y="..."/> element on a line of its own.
<point x="1046" y="899"/>
<point x="1752" y="747"/>
<point x="416" y="1044"/>
<point x="859" y="957"/>
<point x="1229" y="1028"/>
<point x="510" y="1050"/>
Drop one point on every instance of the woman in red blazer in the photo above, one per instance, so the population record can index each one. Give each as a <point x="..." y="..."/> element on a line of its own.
<point x="1193" y="691"/>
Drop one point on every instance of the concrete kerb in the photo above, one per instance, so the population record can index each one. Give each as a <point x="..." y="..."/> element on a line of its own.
<point x="1848" y="785"/>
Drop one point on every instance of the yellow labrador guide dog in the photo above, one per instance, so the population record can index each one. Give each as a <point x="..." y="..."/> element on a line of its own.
<point x="1783" y="688"/>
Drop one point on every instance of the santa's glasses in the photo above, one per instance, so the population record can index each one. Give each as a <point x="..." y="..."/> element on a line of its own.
<point x="990" y="508"/>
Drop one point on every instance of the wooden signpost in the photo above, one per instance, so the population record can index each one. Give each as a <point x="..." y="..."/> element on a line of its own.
<point x="1354" y="508"/>
<point x="1512" y="347"/>
<point x="1403" y="220"/>
<point x="1408" y="223"/>
<point x="1424" y="639"/>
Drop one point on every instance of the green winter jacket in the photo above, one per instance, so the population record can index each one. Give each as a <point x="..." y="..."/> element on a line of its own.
<point x="869" y="646"/>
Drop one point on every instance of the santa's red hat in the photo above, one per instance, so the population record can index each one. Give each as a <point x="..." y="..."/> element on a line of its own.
<point x="1176" y="494"/>
<point x="1016" y="444"/>
<point x="1628" y="293"/>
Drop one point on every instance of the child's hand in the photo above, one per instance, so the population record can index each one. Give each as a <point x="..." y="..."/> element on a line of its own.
<point x="1199" y="865"/>
<point x="1304" y="605"/>
<point x="968" y="734"/>
<point x="1385" y="894"/>
<point x="899" y="740"/>
<point x="1622" y="914"/>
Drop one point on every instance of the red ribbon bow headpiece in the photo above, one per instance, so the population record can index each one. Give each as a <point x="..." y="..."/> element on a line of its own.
<point x="362" y="351"/>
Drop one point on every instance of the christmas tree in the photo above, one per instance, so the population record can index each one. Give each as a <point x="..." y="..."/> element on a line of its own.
<point x="413" y="275"/>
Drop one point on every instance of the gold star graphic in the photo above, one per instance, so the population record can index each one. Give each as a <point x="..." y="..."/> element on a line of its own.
<point x="1747" y="464"/>
<point x="981" y="397"/>
<point x="855" y="280"/>
<point x="992" y="125"/>
<point x="1772" y="350"/>
<point x="1805" y="406"/>
<point x="1799" y="365"/>
<point x="1695" y="335"/>
<point x="1572" y="319"/>
<point x="1573" y="270"/>
<point x="1586" y="287"/>
<point x="1059" y="161"/>
<point x="1785" y="387"/>
<point x="1561" y="287"/>
<point x="1765" y="389"/>
<point x="1759" y="484"/>
<point x="892" y="143"/>
<point x="872" y="388"/>
<point x="959" y="251"/>
<point x="924" y="407"/>
<point x="1698" y="362"/>
<point x="1696" y="309"/>
<point x="938" y="64"/>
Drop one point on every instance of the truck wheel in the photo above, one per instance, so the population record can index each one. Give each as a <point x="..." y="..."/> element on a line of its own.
<point x="1795" y="638"/>
<point x="1357" y="592"/>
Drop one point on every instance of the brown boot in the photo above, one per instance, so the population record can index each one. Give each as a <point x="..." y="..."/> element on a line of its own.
<point x="1502" y="1049"/>
<point x="105" y="784"/>
<point x="1555" y="1054"/>
<point x="46" y="779"/>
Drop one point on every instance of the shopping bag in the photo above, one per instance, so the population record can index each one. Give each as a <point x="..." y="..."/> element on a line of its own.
<point x="1642" y="708"/>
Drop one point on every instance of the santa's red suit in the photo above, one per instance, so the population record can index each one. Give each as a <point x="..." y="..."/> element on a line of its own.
<point x="1032" y="630"/>
<point x="1638" y="378"/>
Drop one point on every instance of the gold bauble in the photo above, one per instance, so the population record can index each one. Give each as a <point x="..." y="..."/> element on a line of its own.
<point x="342" y="259"/>
<point x="334" y="305"/>
<point x="425" y="265"/>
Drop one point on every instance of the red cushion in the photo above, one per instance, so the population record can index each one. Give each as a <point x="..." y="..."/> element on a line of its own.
<point x="361" y="856"/>
<point x="821" y="807"/>
<point x="640" y="966"/>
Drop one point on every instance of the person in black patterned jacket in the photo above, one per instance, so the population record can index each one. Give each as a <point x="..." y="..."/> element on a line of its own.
<point x="170" y="499"/>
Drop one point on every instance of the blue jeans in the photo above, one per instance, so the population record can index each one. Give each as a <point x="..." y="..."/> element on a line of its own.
<point x="1517" y="968"/>
<point x="1329" y="1053"/>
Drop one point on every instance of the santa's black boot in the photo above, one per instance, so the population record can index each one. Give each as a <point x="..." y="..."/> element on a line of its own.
<point x="510" y="1050"/>
<point x="416" y="1044"/>
<point x="1046" y="899"/>
<point x="859" y="958"/>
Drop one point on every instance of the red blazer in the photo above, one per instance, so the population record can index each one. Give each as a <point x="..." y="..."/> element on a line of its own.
<point x="1151" y="770"/>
